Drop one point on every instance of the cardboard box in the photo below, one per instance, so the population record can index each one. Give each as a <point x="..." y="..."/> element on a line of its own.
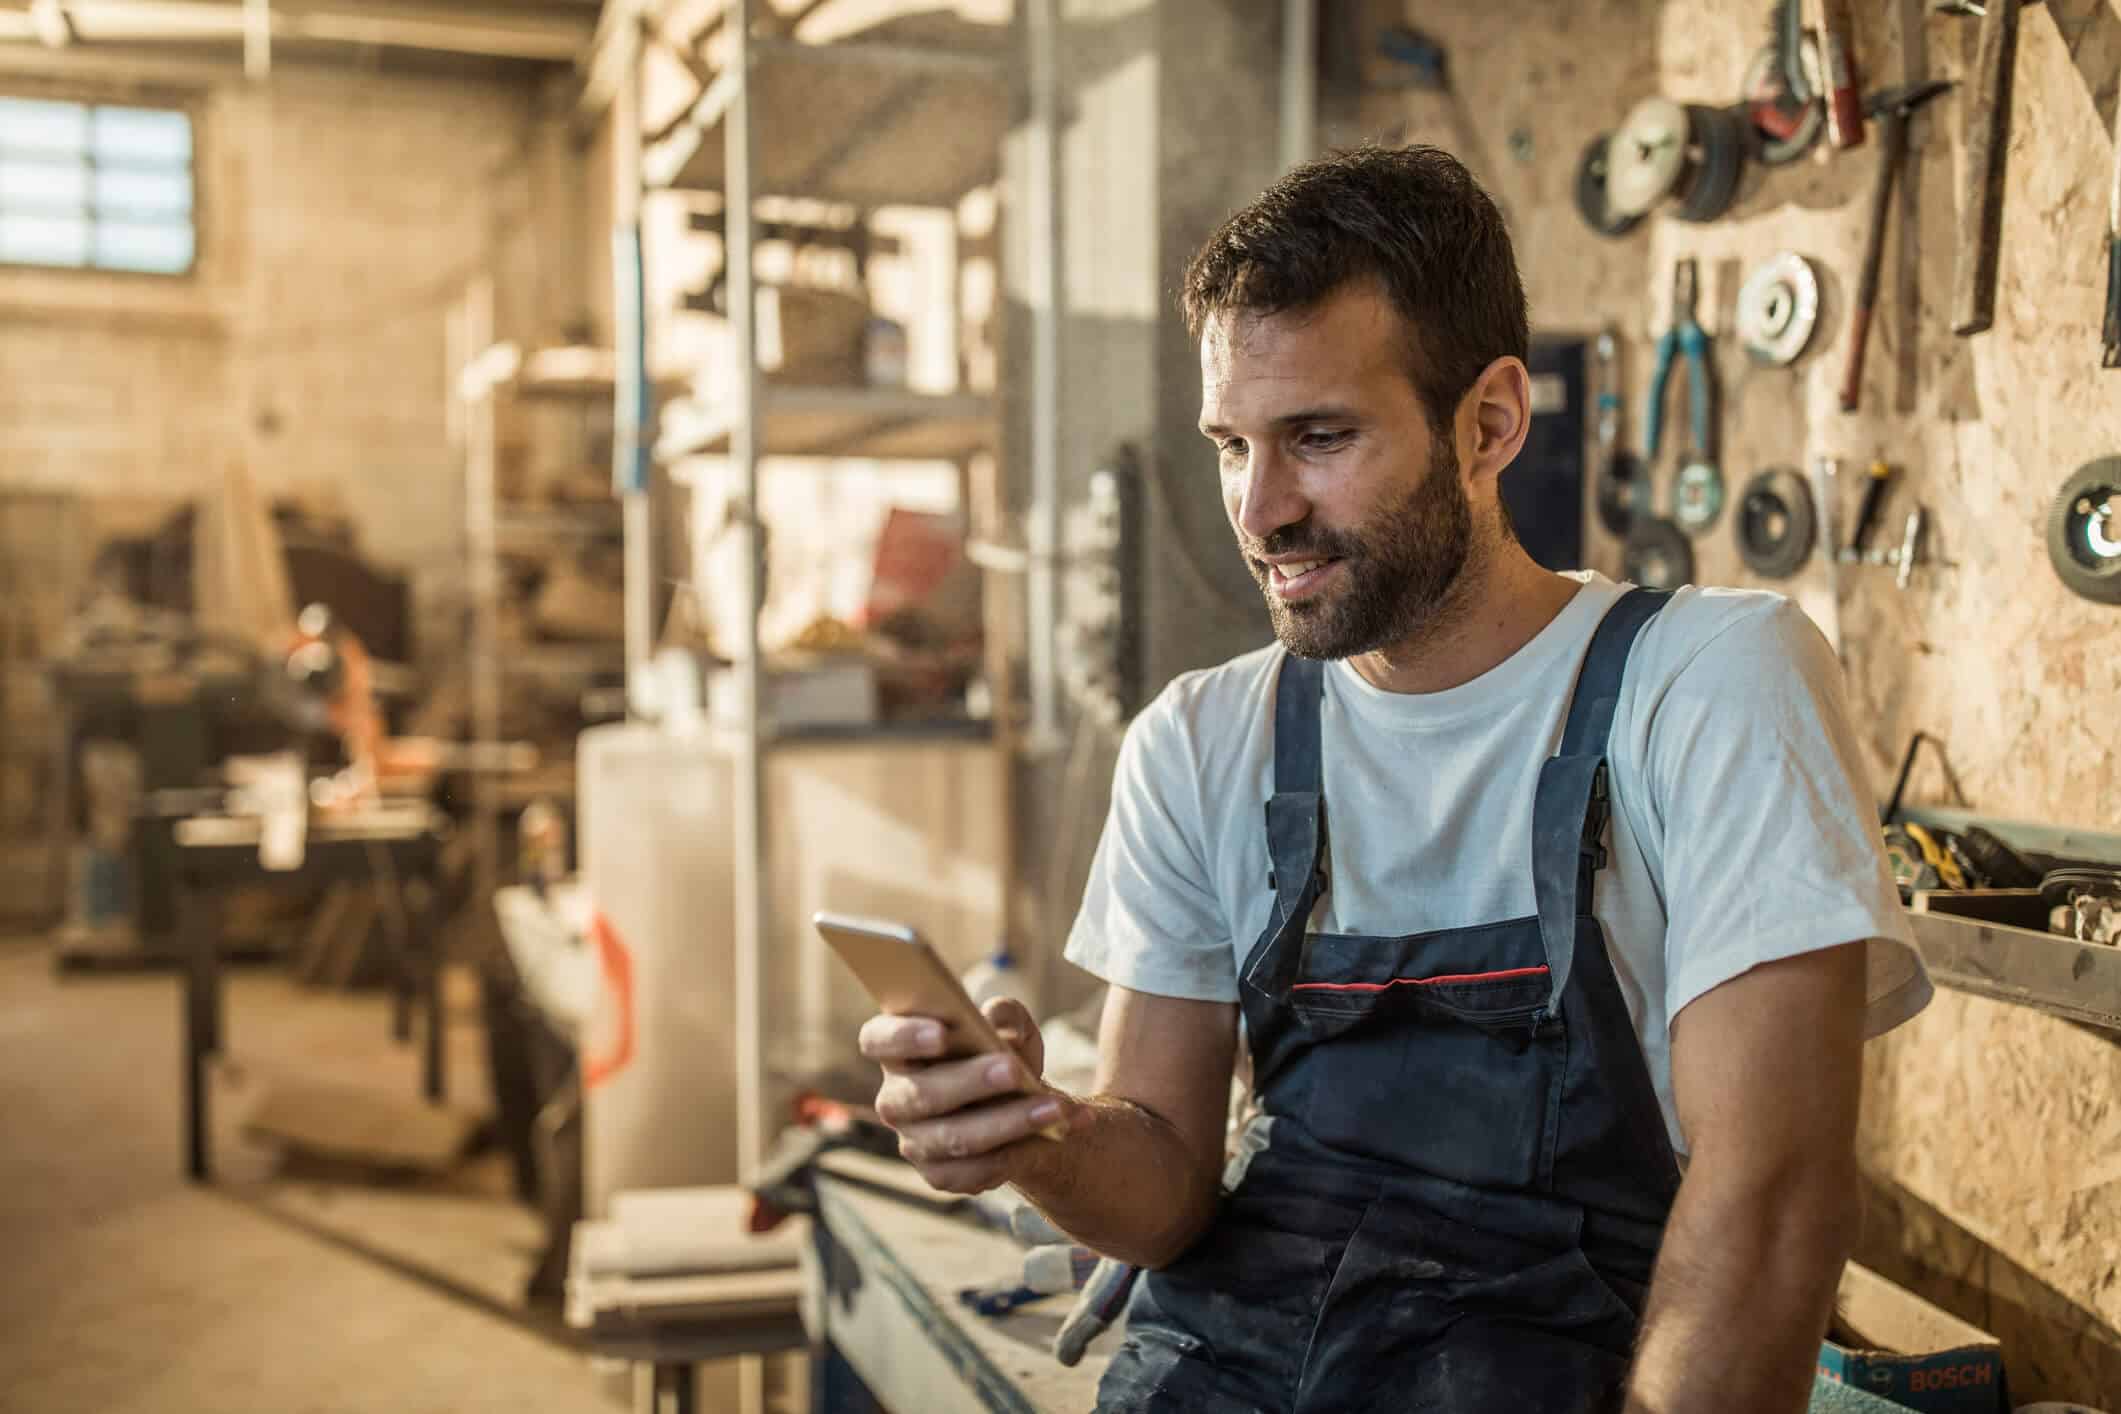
<point x="1893" y="1344"/>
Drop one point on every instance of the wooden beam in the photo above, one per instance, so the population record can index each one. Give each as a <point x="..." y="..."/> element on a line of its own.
<point x="48" y="18"/>
<point x="556" y="37"/>
<point x="149" y="66"/>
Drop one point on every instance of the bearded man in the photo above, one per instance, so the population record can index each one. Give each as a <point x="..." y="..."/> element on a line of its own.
<point x="1549" y="909"/>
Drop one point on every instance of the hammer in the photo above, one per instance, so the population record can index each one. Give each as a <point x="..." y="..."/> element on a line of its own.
<point x="1891" y="107"/>
<point x="1988" y="140"/>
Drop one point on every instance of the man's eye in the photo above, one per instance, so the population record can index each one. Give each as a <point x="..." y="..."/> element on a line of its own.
<point x="1231" y="447"/>
<point x="1324" y="441"/>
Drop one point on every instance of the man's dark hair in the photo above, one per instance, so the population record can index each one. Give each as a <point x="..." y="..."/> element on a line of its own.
<point x="1411" y="218"/>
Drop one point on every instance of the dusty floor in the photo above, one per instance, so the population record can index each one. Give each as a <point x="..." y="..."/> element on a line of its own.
<point x="128" y="1290"/>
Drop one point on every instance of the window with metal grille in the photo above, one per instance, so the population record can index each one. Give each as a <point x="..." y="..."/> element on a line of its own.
<point x="96" y="186"/>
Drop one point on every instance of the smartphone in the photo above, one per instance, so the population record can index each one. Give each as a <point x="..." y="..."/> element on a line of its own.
<point x="905" y="976"/>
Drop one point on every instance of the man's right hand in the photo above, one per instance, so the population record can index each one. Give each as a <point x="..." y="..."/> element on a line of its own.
<point x="958" y="1120"/>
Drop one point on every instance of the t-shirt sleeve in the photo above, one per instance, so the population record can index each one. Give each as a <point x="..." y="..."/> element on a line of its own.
<point x="1150" y="920"/>
<point x="1771" y="846"/>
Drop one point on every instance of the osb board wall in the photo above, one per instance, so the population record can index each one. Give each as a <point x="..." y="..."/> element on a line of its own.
<point x="2002" y="1121"/>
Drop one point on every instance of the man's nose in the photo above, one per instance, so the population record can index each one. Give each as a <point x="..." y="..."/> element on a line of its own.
<point x="1268" y="497"/>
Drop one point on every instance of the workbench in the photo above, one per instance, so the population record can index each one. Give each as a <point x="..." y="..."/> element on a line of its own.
<point x="389" y="847"/>
<point x="880" y="1301"/>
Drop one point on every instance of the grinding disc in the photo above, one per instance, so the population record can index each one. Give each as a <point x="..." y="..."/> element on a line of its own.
<point x="1716" y="148"/>
<point x="1657" y="556"/>
<point x="1784" y="126"/>
<point x="1592" y="202"/>
<point x="1775" y="523"/>
<point x="1647" y="156"/>
<point x="1623" y="492"/>
<point x="2084" y="531"/>
<point x="1778" y="307"/>
<point x="1697" y="496"/>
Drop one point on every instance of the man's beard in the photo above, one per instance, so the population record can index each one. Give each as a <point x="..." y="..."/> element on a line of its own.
<point x="1402" y="569"/>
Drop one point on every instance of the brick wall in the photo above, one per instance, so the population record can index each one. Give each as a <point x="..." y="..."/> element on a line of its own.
<point x="339" y="215"/>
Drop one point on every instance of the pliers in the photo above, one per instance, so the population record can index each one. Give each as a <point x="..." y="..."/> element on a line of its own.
<point x="1684" y="336"/>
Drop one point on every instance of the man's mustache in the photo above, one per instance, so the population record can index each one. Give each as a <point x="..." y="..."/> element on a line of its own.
<point x="1295" y="540"/>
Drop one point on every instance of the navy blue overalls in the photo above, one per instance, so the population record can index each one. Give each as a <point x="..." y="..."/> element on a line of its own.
<point x="1461" y="1176"/>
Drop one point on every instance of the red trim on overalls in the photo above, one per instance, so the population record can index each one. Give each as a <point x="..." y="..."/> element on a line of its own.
<point x="1507" y="972"/>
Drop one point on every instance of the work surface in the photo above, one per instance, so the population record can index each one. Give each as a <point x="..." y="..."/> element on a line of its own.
<point x="882" y="1286"/>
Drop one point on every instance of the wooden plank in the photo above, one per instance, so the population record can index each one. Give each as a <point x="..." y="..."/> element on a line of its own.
<point x="844" y="422"/>
<point x="859" y="121"/>
<point x="1882" y="1316"/>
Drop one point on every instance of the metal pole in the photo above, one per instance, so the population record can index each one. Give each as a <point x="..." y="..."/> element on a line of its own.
<point x="1043" y="240"/>
<point x="480" y="491"/>
<point x="753" y="919"/>
<point x="630" y="343"/>
<point x="1299" y="82"/>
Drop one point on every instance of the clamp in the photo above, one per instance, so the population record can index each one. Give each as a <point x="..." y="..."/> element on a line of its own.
<point x="1684" y="336"/>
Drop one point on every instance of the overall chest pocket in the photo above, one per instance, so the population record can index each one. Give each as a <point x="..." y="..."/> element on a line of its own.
<point x="1434" y="1050"/>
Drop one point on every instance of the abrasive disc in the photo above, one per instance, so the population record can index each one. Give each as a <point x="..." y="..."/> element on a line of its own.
<point x="1657" y="556"/>
<point x="1778" y="307"/>
<point x="1775" y="523"/>
<point x="1697" y="496"/>
<point x="1646" y="156"/>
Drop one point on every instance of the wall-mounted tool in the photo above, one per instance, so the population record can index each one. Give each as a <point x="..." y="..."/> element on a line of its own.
<point x="1781" y="93"/>
<point x="1903" y="559"/>
<point x="1880" y="477"/>
<point x="1778" y="307"/>
<point x="1683" y="336"/>
<point x="1657" y="554"/>
<point x="2111" y="332"/>
<point x="1647" y="157"/>
<point x="1826" y="487"/>
<point x="1837" y="52"/>
<point x="1988" y="140"/>
<point x="1907" y="554"/>
<point x="1697" y="496"/>
<point x="1774" y="524"/>
<point x="1424" y="63"/>
<point x="1593" y="203"/>
<point x="1622" y="489"/>
<point x="1891" y="107"/>
<point x="1687" y="151"/>
<point x="2084" y="531"/>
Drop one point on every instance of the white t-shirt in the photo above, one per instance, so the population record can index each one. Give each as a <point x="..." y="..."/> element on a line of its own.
<point x="1740" y="834"/>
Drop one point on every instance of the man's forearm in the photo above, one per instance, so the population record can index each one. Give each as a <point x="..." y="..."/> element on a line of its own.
<point x="1748" y="1271"/>
<point x="1123" y="1182"/>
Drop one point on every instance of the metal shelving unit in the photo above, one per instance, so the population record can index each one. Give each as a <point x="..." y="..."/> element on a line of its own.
<point x="489" y="372"/>
<point x="885" y="423"/>
<point x="880" y="122"/>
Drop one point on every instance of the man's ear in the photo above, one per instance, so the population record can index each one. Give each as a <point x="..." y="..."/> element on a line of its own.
<point x="1495" y="417"/>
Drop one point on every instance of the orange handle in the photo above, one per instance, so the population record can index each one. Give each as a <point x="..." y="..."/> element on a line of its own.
<point x="617" y="966"/>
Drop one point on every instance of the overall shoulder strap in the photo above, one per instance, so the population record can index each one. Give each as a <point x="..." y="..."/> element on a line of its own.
<point x="1605" y="663"/>
<point x="1298" y="762"/>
